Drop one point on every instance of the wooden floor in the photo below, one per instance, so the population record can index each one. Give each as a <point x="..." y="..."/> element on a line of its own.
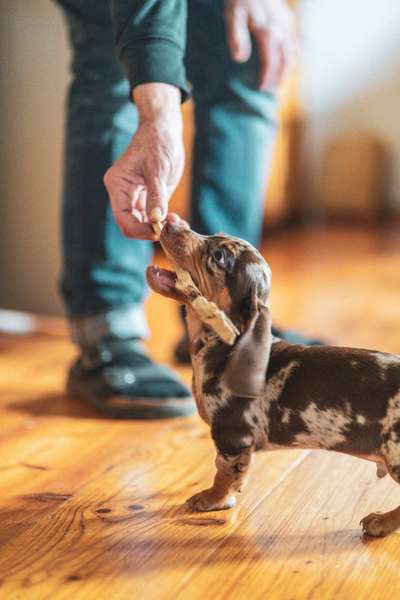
<point x="93" y="508"/>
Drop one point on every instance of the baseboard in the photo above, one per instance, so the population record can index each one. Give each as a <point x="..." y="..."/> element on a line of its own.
<point x="17" y="322"/>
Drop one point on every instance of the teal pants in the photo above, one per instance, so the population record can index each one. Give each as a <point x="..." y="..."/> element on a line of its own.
<point x="103" y="279"/>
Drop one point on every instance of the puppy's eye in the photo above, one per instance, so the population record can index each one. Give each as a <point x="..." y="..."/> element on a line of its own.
<point x="219" y="257"/>
<point x="224" y="259"/>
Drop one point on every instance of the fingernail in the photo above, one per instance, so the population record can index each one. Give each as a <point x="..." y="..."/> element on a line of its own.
<point x="156" y="214"/>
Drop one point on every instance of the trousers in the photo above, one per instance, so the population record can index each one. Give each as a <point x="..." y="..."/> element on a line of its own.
<point x="103" y="278"/>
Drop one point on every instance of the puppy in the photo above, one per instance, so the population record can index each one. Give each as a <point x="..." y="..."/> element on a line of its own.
<point x="264" y="393"/>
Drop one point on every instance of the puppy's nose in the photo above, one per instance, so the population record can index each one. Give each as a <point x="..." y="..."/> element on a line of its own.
<point x="169" y="228"/>
<point x="175" y="228"/>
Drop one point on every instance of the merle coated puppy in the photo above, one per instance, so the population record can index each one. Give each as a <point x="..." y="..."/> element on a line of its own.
<point x="264" y="393"/>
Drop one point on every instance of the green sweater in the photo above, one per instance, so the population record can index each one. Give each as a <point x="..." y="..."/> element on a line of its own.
<point x="150" y="37"/>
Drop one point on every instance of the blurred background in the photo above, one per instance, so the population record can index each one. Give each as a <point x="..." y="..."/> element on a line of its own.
<point x="337" y="156"/>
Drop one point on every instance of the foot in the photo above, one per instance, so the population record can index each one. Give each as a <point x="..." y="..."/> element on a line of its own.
<point x="119" y="379"/>
<point x="378" y="524"/>
<point x="207" y="501"/>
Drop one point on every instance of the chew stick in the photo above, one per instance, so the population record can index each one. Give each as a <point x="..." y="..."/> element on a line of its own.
<point x="208" y="312"/>
<point x="157" y="227"/>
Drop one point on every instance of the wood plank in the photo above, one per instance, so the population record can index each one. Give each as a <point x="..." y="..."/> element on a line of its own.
<point x="303" y="540"/>
<point x="128" y="519"/>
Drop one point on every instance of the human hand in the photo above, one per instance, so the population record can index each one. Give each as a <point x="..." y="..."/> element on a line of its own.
<point x="142" y="180"/>
<point x="271" y="23"/>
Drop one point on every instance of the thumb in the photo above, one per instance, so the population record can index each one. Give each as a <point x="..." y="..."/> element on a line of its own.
<point x="157" y="200"/>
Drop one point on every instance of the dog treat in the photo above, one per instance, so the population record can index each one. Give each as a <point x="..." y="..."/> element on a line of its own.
<point x="184" y="283"/>
<point x="208" y="312"/>
<point x="157" y="227"/>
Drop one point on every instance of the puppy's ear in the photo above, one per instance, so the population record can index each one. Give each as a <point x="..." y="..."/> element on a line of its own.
<point x="246" y="369"/>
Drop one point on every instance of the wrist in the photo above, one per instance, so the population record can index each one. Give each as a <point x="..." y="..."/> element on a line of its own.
<point x="158" y="103"/>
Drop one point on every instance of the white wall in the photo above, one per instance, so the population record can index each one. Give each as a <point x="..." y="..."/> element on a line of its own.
<point x="33" y="79"/>
<point x="351" y="76"/>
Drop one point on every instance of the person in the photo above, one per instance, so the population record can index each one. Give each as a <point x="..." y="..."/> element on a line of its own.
<point x="233" y="53"/>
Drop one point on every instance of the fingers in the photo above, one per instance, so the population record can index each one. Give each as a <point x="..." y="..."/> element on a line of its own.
<point x="130" y="220"/>
<point x="270" y="26"/>
<point x="138" y="231"/>
<point x="132" y="226"/>
<point x="262" y="40"/>
<point x="282" y="63"/>
<point x="157" y="199"/>
<point x="238" y="32"/>
<point x="273" y="52"/>
<point x="133" y="222"/>
<point x="273" y="56"/>
<point x="137" y="215"/>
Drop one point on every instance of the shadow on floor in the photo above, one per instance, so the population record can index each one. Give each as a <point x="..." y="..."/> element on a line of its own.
<point x="61" y="405"/>
<point x="55" y="405"/>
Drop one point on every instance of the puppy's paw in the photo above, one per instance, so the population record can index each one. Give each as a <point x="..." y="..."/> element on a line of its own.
<point x="377" y="525"/>
<point x="206" y="501"/>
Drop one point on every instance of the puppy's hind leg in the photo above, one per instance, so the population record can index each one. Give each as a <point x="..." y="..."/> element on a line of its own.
<point x="381" y="524"/>
<point x="230" y="478"/>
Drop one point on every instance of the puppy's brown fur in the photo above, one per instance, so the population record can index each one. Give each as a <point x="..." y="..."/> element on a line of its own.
<point x="265" y="393"/>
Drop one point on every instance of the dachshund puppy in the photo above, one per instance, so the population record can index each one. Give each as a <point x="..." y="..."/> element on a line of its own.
<point x="264" y="393"/>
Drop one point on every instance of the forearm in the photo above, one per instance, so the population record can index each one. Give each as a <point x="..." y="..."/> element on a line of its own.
<point x="150" y="38"/>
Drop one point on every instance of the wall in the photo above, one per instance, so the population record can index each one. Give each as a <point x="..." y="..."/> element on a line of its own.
<point x="33" y="78"/>
<point x="351" y="78"/>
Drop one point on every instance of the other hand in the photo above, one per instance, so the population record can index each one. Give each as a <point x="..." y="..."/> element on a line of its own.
<point x="271" y="24"/>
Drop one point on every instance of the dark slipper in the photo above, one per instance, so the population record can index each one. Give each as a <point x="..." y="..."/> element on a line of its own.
<point x="120" y="380"/>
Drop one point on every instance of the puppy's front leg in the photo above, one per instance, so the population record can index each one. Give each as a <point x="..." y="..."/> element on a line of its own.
<point x="230" y="478"/>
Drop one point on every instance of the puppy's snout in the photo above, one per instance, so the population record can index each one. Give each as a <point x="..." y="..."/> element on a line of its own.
<point x="178" y="241"/>
<point x="175" y="228"/>
<point x="177" y="235"/>
<point x="169" y="229"/>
